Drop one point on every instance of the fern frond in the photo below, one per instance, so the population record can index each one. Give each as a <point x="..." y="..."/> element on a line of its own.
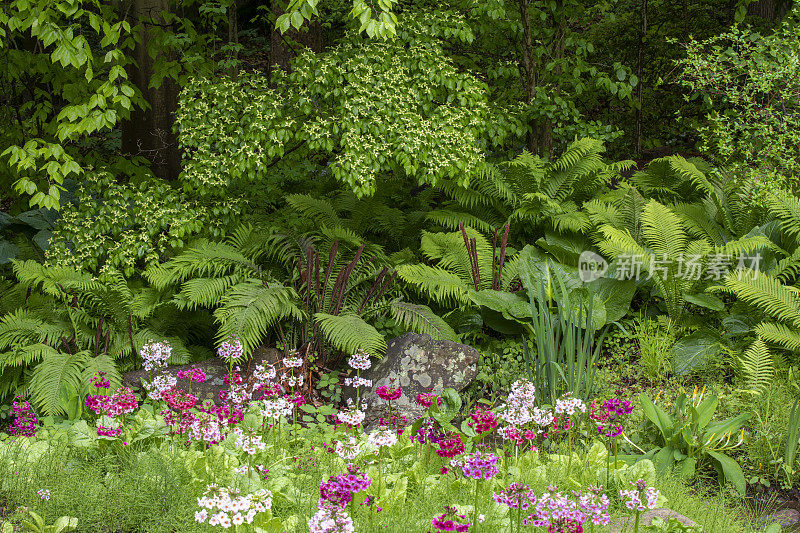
<point x="349" y="332"/>
<point x="757" y="367"/>
<point x="437" y="283"/>
<point x="786" y="207"/>
<point x="779" y="334"/>
<point x="452" y="220"/>
<point x="779" y="301"/>
<point x="252" y="308"/>
<point x="420" y="319"/>
<point x="663" y="230"/>
<point x="206" y="259"/>
<point x="24" y="356"/>
<point x="54" y="372"/>
<point x="102" y="363"/>
<point x="317" y="209"/>
<point x="205" y="292"/>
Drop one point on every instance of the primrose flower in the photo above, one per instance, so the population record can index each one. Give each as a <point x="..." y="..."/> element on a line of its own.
<point x="594" y="505"/>
<point x="44" y="494"/>
<point x="388" y="393"/>
<point x="359" y="360"/>
<point x="450" y="447"/>
<point x="557" y="512"/>
<point x="633" y="497"/>
<point x="569" y="405"/>
<point x="25" y="421"/>
<point x="293" y="361"/>
<point x="450" y="520"/>
<point x="352" y="417"/>
<point x="231" y="349"/>
<point x="426" y="399"/>
<point x="331" y="519"/>
<point x="155" y="355"/>
<point x="482" y="421"/>
<point x="383" y="437"/>
<point x="516" y="496"/>
<point x="480" y="465"/>
<point x="348" y="450"/>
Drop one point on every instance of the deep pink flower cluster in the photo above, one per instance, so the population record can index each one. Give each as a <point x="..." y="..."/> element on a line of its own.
<point x="451" y="521"/>
<point x="101" y="382"/>
<point x="195" y="375"/>
<point x="482" y="421"/>
<point x="296" y="399"/>
<point x="339" y="490"/>
<point x="104" y="431"/>
<point x="121" y="402"/>
<point x="427" y="433"/>
<point x="480" y="465"/>
<point x="425" y="399"/>
<point x="178" y="399"/>
<point x="25" y="421"/>
<point x="389" y="393"/>
<point x="450" y="446"/>
<point x="516" y="496"/>
<point x="609" y="415"/>
<point x="397" y="422"/>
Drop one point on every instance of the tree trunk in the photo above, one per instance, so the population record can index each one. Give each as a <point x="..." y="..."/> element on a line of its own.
<point x="283" y="47"/>
<point x="528" y="69"/>
<point x="763" y="8"/>
<point x="149" y="132"/>
<point x="639" y="66"/>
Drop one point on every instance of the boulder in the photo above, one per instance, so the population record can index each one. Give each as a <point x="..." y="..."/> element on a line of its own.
<point x="418" y="363"/>
<point x="214" y="368"/>
<point x="785" y="517"/>
<point x="620" y="525"/>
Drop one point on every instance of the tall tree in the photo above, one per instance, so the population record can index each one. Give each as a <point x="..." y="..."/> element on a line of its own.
<point x="149" y="131"/>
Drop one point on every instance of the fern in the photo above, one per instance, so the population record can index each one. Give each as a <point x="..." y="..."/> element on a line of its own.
<point x="252" y="308"/>
<point x="421" y="319"/>
<point x="435" y="282"/>
<point x="349" y="332"/>
<point x="54" y="373"/>
<point x="757" y="367"/>
<point x="766" y="293"/>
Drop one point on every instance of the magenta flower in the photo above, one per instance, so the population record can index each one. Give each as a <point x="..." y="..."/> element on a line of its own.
<point x="516" y="496"/>
<point x="450" y="521"/>
<point x="389" y="393"/>
<point x="482" y="421"/>
<point x="25" y="421"/>
<point x="450" y="447"/>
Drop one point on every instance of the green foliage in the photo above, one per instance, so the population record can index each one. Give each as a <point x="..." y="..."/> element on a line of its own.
<point x="566" y="354"/>
<point x="689" y="440"/>
<point x="746" y="78"/>
<point x="655" y="339"/>
<point x="407" y="110"/>
<point x="74" y="325"/>
<point x="757" y="367"/>
<point x="41" y="146"/>
<point x="260" y="281"/>
<point x="121" y="227"/>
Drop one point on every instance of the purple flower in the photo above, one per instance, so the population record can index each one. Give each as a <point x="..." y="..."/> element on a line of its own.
<point x="480" y="465"/>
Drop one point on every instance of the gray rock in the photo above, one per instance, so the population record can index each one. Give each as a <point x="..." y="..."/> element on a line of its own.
<point x="419" y="364"/>
<point x="620" y="525"/>
<point x="785" y="517"/>
<point x="214" y="368"/>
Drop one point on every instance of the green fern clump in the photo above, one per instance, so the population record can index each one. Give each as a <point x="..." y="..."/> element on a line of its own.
<point x="315" y="292"/>
<point x="73" y="326"/>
